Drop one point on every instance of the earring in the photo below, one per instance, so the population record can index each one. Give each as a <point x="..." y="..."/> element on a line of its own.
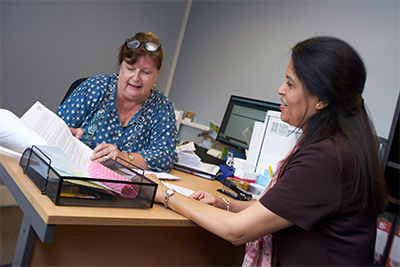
<point x="318" y="105"/>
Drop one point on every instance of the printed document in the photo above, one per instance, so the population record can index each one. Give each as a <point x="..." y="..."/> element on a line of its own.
<point x="40" y="126"/>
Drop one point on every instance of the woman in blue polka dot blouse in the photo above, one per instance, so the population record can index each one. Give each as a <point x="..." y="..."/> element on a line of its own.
<point x="122" y="114"/>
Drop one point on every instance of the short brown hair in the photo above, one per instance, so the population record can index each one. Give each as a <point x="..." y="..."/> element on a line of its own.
<point x="130" y="55"/>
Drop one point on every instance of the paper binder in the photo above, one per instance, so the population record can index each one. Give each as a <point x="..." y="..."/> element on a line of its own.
<point x="84" y="191"/>
<point x="386" y="225"/>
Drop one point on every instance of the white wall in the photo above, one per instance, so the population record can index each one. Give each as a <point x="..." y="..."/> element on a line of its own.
<point x="242" y="48"/>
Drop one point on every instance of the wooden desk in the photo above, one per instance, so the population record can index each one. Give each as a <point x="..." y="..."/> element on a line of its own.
<point x="53" y="235"/>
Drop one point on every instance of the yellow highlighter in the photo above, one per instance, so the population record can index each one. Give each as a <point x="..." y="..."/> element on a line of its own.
<point x="270" y="172"/>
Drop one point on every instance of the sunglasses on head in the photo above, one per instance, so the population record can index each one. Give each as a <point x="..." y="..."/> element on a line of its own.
<point x="149" y="45"/>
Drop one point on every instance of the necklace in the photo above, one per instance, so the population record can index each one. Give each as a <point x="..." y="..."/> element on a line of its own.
<point x="128" y="117"/>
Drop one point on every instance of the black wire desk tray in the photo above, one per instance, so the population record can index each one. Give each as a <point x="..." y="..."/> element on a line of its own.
<point x="134" y="190"/>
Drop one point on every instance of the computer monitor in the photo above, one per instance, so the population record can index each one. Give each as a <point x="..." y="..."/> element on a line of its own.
<point x="238" y="122"/>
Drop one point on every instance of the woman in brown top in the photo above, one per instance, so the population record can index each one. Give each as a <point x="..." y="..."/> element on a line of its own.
<point x="329" y="190"/>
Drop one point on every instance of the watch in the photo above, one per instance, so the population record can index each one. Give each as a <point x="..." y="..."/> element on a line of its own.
<point x="130" y="157"/>
<point x="168" y="193"/>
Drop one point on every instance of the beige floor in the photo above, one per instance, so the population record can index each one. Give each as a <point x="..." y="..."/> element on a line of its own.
<point x="10" y="222"/>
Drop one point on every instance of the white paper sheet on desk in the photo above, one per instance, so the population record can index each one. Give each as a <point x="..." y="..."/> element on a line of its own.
<point x="164" y="175"/>
<point x="182" y="190"/>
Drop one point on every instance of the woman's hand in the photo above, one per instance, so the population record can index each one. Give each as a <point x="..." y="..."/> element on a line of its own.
<point x="77" y="132"/>
<point x="208" y="198"/>
<point x="104" y="151"/>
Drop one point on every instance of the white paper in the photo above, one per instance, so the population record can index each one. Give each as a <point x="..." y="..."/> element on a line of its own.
<point x="186" y="147"/>
<point x="189" y="158"/>
<point x="214" y="152"/>
<point x="15" y="134"/>
<point x="182" y="190"/>
<point x="380" y="243"/>
<point x="394" y="252"/>
<point x="164" y="175"/>
<point x="209" y="168"/>
<point x="11" y="152"/>
<point x="279" y="138"/>
<point x="61" y="163"/>
<point x="56" y="133"/>
<point x="255" y="146"/>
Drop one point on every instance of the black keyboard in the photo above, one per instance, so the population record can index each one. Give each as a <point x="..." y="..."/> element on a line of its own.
<point x="205" y="158"/>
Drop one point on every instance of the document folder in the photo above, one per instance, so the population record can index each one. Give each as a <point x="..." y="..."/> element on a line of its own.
<point x="86" y="191"/>
<point x="386" y="224"/>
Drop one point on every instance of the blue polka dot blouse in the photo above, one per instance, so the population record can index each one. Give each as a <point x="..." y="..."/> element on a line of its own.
<point x="151" y="132"/>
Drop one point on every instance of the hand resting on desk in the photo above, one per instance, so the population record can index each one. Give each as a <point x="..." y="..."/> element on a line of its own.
<point x="200" y="195"/>
<point x="208" y="198"/>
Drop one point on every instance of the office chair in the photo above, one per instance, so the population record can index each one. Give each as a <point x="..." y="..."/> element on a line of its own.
<point x="72" y="88"/>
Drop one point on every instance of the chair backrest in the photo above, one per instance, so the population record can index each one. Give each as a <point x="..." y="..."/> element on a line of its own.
<point x="72" y="88"/>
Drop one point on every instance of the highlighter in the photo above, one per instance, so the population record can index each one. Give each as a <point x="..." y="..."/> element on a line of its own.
<point x="270" y="172"/>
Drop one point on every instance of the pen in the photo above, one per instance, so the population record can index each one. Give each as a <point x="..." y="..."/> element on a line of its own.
<point x="77" y="195"/>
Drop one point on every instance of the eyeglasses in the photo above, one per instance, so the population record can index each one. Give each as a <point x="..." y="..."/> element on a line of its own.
<point x="150" y="45"/>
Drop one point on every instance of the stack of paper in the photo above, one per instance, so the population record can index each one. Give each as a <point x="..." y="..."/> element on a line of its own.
<point x="186" y="155"/>
<point x="41" y="127"/>
<point x="188" y="161"/>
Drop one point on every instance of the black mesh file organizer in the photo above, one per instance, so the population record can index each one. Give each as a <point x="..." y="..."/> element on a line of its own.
<point x="89" y="192"/>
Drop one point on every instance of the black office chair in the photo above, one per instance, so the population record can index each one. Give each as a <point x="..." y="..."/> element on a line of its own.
<point x="72" y="88"/>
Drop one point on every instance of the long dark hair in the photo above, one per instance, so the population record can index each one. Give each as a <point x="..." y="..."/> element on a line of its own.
<point x="331" y="69"/>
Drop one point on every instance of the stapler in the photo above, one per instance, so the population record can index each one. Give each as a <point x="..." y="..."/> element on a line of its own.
<point x="241" y="194"/>
<point x="228" y="171"/>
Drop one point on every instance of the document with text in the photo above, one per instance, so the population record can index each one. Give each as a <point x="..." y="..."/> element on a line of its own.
<point x="40" y="126"/>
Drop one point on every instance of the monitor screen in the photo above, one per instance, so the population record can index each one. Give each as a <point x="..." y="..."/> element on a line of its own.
<point x="238" y="122"/>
